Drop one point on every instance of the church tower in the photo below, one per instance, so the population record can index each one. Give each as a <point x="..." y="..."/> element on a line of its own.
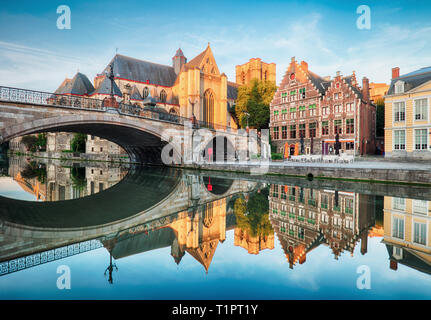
<point x="178" y="61"/>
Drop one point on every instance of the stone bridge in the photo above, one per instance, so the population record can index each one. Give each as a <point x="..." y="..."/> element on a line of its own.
<point x="142" y="133"/>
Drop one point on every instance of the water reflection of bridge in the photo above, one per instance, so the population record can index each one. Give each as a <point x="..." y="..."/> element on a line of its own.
<point x="150" y="208"/>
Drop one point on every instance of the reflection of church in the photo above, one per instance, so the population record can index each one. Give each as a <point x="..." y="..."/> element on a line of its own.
<point x="197" y="232"/>
<point x="304" y="218"/>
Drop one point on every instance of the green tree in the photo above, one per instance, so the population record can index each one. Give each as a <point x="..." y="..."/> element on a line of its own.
<point x="254" y="99"/>
<point x="78" y="142"/>
<point x="380" y="117"/>
<point x="29" y="142"/>
<point x="253" y="215"/>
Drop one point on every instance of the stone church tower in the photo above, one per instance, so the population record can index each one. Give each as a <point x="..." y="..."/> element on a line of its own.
<point x="255" y="68"/>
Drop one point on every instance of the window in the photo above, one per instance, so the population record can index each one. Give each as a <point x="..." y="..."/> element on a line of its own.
<point x="338" y="108"/>
<point x="399" y="87"/>
<point x="338" y="127"/>
<point x="421" y="139"/>
<point x="302" y="130"/>
<point x="312" y="129"/>
<point x="420" y="206"/>
<point x="398" y="204"/>
<point x="325" y="128"/>
<point x="163" y="96"/>
<point x="275" y="191"/>
<point x="208" y="111"/>
<point x="349" y="107"/>
<point x="302" y="111"/>
<point x="350" y="145"/>
<point x="419" y="233"/>
<point x="284" y="132"/>
<point x="275" y="133"/>
<point x="350" y="126"/>
<point x="348" y="206"/>
<point x="399" y="111"/>
<point x="399" y="139"/>
<point x="421" y="112"/>
<point x="293" y="131"/>
<point x="398" y="228"/>
<point x="325" y="111"/>
<point x="146" y="92"/>
<point x="324" y="201"/>
<point x="336" y="96"/>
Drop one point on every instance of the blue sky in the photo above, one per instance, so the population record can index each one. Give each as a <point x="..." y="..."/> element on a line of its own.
<point x="35" y="54"/>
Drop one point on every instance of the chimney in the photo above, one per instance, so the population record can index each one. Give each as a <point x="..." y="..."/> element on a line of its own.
<point x="395" y="72"/>
<point x="304" y="65"/>
<point x="365" y="89"/>
<point x="393" y="265"/>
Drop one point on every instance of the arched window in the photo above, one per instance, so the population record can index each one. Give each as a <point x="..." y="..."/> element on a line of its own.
<point x="266" y="75"/>
<point x="208" y="111"/>
<point x="163" y="96"/>
<point x="173" y="111"/>
<point x="146" y="92"/>
<point x="243" y="77"/>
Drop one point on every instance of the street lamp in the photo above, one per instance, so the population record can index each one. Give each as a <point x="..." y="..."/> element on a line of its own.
<point x="247" y="115"/>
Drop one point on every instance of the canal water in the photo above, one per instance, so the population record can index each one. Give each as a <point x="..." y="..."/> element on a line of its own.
<point x="104" y="231"/>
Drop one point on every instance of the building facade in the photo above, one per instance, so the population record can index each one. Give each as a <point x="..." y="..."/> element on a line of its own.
<point x="407" y="225"/>
<point x="255" y="68"/>
<point x="309" y="111"/>
<point x="407" y="115"/>
<point x="194" y="88"/>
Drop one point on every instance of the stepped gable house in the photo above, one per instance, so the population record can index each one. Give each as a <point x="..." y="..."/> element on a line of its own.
<point x="184" y="88"/>
<point x="310" y="110"/>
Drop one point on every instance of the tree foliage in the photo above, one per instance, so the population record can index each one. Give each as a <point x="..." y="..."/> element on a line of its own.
<point x="78" y="142"/>
<point x="380" y="117"/>
<point x="253" y="215"/>
<point x="34" y="143"/>
<point x="254" y="99"/>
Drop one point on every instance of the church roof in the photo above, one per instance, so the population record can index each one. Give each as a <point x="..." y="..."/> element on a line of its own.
<point x="105" y="88"/>
<point x="78" y="85"/>
<point x="197" y="61"/>
<point x="232" y="90"/>
<point x="134" y="94"/>
<point x="140" y="70"/>
<point x="179" y="53"/>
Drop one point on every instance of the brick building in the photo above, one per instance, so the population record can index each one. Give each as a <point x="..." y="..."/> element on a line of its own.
<point x="310" y="110"/>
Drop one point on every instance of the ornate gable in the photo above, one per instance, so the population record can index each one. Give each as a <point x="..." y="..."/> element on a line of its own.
<point x="205" y="61"/>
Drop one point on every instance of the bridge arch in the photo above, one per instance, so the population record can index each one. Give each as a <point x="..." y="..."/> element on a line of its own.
<point x="141" y="138"/>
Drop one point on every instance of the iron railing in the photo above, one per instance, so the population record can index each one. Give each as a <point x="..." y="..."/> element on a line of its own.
<point x="86" y="103"/>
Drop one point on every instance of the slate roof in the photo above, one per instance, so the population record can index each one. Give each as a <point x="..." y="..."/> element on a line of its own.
<point x="140" y="70"/>
<point x="105" y="88"/>
<point x="317" y="81"/>
<point x="410" y="259"/>
<point x="78" y="85"/>
<point x="232" y="90"/>
<point x="354" y="88"/>
<point x="134" y="94"/>
<point x="412" y="80"/>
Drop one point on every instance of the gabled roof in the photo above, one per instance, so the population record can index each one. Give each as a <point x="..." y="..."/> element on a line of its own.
<point x="78" y="85"/>
<point x="355" y="89"/>
<point x="105" y="88"/>
<point x="412" y="80"/>
<point x="179" y="53"/>
<point x="140" y="70"/>
<point x="134" y="94"/>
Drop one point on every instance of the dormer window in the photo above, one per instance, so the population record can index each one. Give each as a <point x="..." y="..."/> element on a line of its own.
<point x="399" y="87"/>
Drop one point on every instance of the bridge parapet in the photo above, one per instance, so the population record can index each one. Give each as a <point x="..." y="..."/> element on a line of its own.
<point x="32" y="97"/>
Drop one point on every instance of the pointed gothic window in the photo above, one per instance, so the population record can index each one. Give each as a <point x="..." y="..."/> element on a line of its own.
<point x="146" y="92"/>
<point x="208" y="110"/>
<point x="163" y="96"/>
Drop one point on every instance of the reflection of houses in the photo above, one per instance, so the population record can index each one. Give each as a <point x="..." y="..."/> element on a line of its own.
<point x="305" y="218"/>
<point x="407" y="233"/>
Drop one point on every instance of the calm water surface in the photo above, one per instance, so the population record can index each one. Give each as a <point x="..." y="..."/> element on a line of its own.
<point x="160" y="233"/>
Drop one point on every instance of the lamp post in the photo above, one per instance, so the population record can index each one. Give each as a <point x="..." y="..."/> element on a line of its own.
<point x="247" y="115"/>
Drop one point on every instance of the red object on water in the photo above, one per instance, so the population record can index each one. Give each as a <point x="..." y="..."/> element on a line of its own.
<point x="210" y="186"/>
